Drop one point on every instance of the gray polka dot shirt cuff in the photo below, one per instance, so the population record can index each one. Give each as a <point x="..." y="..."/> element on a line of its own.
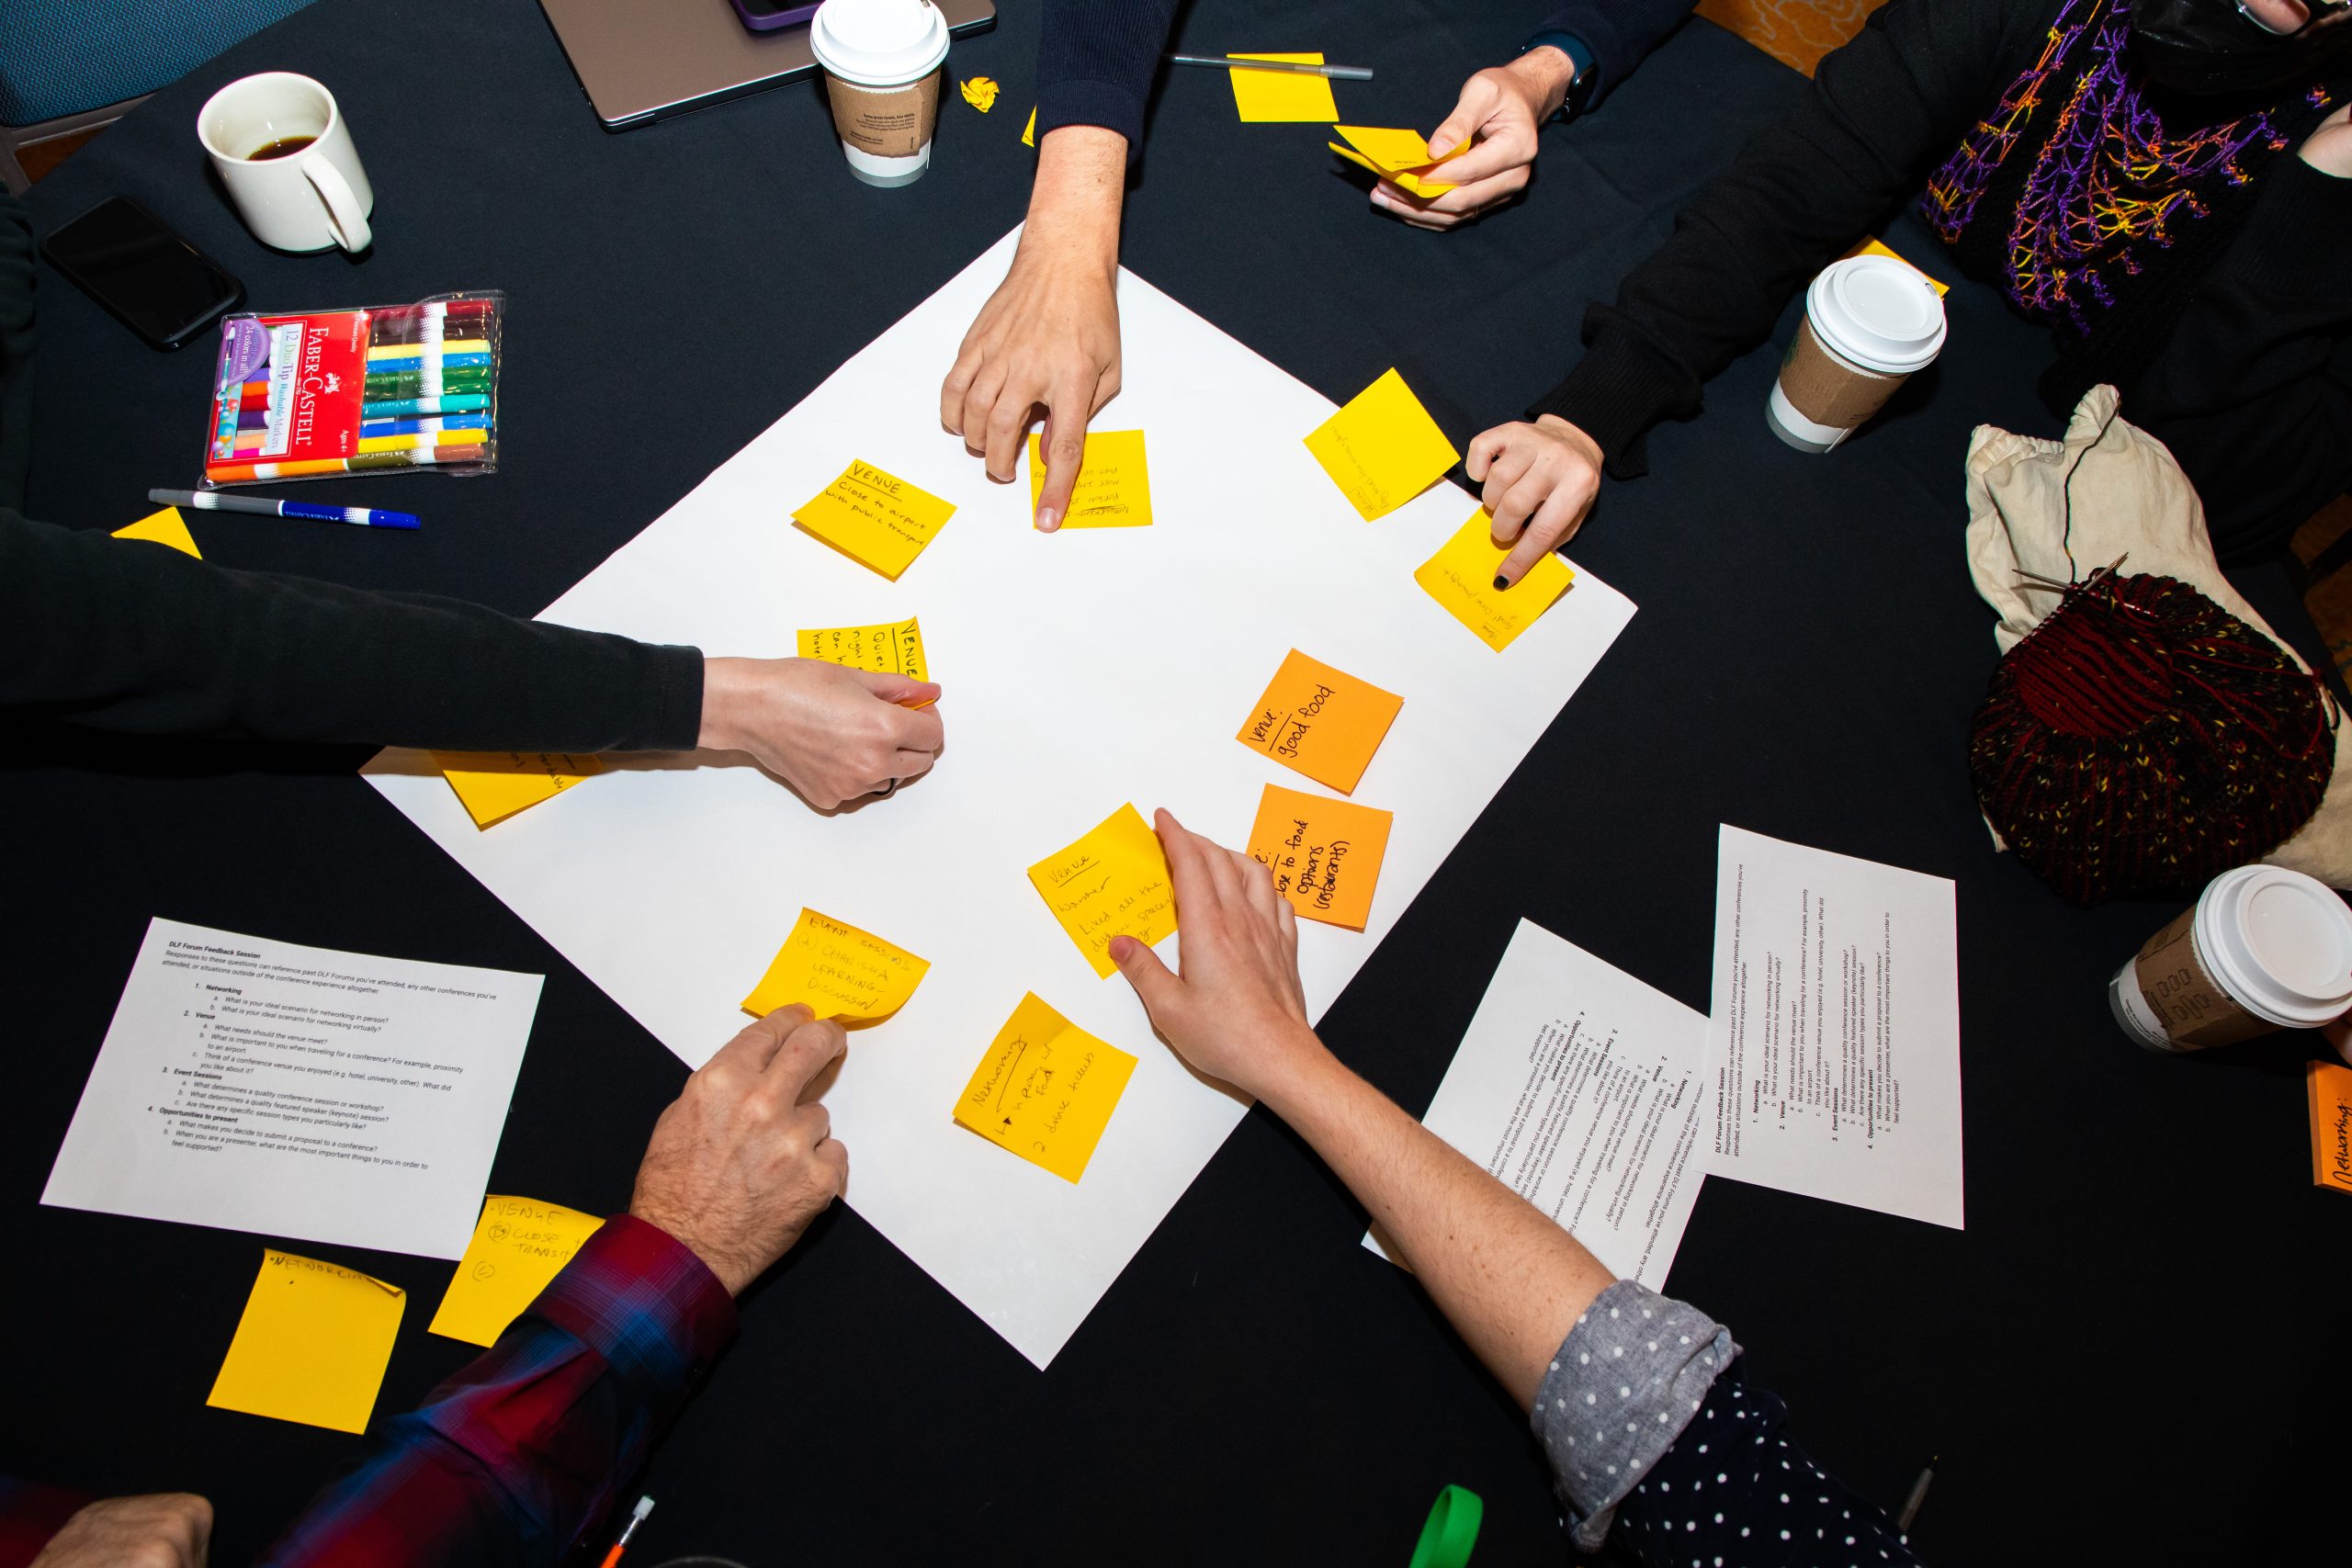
<point x="1627" y="1380"/>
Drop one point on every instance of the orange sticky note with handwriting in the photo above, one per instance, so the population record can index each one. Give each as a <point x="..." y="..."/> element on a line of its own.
<point x="1112" y="881"/>
<point x="1321" y="721"/>
<point x="1113" y="486"/>
<point x="311" y="1346"/>
<point x="166" y="527"/>
<point x="1400" y="156"/>
<point x="1324" y="854"/>
<point x="1383" y="448"/>
<point x="495" y="785"/>
<point x="839" y="971"/>
<point x="1266" y="98"/>
<point x="2328" y="1087"/>
<point x="1461" y="577"/>
<point x="1046" y="1089"/>
<point x="877" y="519"/>
<point x="518" y="1245"/>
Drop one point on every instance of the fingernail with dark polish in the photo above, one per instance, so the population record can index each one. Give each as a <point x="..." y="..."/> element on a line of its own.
<point x="1502" y="581"/>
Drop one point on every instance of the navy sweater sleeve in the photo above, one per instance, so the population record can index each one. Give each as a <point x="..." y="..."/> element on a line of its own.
<point x="1619" y="34"/>
<point x="1096" y="60"/>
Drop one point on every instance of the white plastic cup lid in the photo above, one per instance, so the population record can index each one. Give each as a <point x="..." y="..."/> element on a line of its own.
<point x="2283" y="941"/>
<point x="878" y="44"/>
<point x="1877" y="311"/>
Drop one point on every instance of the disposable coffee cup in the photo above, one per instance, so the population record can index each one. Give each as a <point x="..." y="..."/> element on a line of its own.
<point x="881" y="60"/>
<point x="2261" y="949"/>
<point x="1868" y="322"/>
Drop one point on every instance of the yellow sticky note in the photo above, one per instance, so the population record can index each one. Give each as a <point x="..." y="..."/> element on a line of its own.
<point x="877" y="519"/>
<point x="840" y="972"/>
<point x="1324" y="854"/>
<point x="980" y="93"/>
<point x="311" y="1346"/>
<point x="1046" y="1089"/>
<point x="1383" y="448"/>
<point x="1878" y="248"/>
<point x="1461" y="577"/>
<point x="1321" y="721"/>
<point x="885" y="649"/>
<point x="1113" y="486"/>
<point x="1268" y="96"/>
<point x="519" y="1245"/>
<point x="165" y="528"/>
<point x="1399" y="155"/>
<point x="495" y="785"/>
<point x="1029" y="131"/>
<point x="1112" y="881"/>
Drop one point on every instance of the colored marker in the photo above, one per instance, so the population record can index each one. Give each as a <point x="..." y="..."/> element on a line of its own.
<point x="252" y="419"/>
<point x="426" y="384"/>
<point x="213" y="500"/>
<point x="419" y="426"/>
<point x="450" y="349"/>
<point x="255" y="396"/>
<point x="427" y="439"/>
<point x="396" y="407"/>
<point x="411" y="360"/>
<point x="240" y="473"/>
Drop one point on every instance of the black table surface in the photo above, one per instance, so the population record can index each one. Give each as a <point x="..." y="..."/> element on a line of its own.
<point x="2110" y="1359"/>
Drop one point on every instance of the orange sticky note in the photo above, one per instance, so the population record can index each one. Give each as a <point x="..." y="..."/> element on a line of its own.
<point x="165" y="528"/>
<point x="877" y="519"/>
<point x="1461" y="577"/>
<point x="1324" y="854"/>
<point x="1321" y="721"/>
<point x="495" y="785"/>
<point x="2328" y="1087"/>
<point x="839" y="971"/>
<point x="1383" y="448"/>
<point x="1113" y="486"/>
<point x="1046" y="1089"/>
<point x="1111" y="883"/>
<point x="311" y="1346"/>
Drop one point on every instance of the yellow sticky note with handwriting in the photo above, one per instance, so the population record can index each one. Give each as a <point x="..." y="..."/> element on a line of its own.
<point x="1113" y="486"/>
<point x="1461" y="577"/>
<point x="877" y="519"/>
<point x="1046" y="1089"/>
<point x="1382" y="449"/>
<point x="312" y="1344"/>
<point x="840" y="972"/>
<point x="1324" y="854"/>
<point x="165" y="528"/>
<point x="1111" y="883"/>
<point x="1282" y="96"/>
<point x="1321" y="721"/>
<point x="1399" y="155"/>
<point x="885" y="649"/>
<point x="1879" y="248"/>
<point x="495" y="785"/>
<point x="519" y="1244"/>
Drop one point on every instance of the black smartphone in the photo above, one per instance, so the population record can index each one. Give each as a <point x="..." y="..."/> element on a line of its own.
<point x="148" y="277"/>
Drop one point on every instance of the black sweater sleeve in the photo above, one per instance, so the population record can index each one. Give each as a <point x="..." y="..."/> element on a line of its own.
<point x="16" y="348"/>
<point x="1879" y="108"/>
<point x="125" y="635"/>
<point x="2252" y="390"/>
<point x="1621" y="34"/>
<point x="1095" y="62"/>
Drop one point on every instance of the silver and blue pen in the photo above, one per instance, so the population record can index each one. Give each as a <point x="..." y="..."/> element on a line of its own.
<point x="213" y="500"/>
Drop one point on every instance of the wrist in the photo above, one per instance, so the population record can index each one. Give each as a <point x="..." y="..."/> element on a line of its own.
<point x="1074" y="203"/>
<point x="1300" y="1073"/>
<point x="1548" y="70"/>
<point x="730" y="1275"/>
<point x="722" y="701"/>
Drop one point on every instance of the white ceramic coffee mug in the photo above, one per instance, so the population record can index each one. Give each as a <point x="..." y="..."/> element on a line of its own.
<point x="287" y="159"/>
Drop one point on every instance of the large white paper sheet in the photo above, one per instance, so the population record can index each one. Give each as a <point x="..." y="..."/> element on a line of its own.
<point x="1586" y="1092"/>
<point x="1835" y="1043"/>
<point x="1082" y="669"/>
<point x="298" y="1091"/>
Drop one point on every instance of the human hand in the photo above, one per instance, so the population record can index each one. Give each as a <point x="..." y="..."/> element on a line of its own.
<point x="1235" y="1010"/>
<point x="1049" y="337"/>
<point x="1504" y="107"/>
<point x="738" y="1166"/>
<point x="2329" y="147"/>
<point x="1540" y="479"/>
<point x="161" y="1529"/>
<point x="831" y="733"/>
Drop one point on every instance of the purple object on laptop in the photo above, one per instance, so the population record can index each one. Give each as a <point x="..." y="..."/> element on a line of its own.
<point x="766" y="16"/>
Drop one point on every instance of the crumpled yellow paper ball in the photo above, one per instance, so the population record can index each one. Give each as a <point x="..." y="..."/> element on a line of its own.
<point x="980" y="93"/>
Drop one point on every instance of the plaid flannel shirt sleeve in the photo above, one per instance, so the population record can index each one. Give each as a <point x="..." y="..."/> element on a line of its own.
<point x="521" y="1456"/>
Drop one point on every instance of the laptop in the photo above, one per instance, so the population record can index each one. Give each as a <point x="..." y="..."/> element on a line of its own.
<point x="639" y="62"/>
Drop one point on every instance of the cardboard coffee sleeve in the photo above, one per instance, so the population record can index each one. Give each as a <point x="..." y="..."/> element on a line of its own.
<point x="1827" y="390"/>
<point x="2173" y="982"/>
<point x="888" y="122"/>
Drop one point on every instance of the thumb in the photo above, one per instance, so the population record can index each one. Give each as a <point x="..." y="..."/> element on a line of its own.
<point x="1456" y="127"/>
<point x="1155" y="986"/>
<point x="903" y="689"/>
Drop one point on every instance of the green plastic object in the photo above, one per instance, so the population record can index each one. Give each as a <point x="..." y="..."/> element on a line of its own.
<point x="1452" y="1529"/>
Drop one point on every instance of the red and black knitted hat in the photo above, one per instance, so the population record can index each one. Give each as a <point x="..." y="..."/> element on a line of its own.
<point x="2142" y="740"/>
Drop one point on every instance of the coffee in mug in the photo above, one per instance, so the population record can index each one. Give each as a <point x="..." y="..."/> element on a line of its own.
<point x="285" y="158"/>
<point x="1868" y="322"/>
<point x="2263" y="948"/>
<point x="882" y="62"/>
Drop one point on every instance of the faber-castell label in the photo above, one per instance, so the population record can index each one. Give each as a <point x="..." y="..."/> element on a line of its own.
<point x="2193" y="1010"/>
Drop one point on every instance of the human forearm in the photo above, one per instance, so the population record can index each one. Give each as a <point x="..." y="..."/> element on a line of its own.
<point x="1510" y="1279"/>
<point x="1075" y="201"/>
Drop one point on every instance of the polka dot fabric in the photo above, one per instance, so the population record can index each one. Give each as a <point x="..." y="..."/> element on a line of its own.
<point x="1734" y="1493"/>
